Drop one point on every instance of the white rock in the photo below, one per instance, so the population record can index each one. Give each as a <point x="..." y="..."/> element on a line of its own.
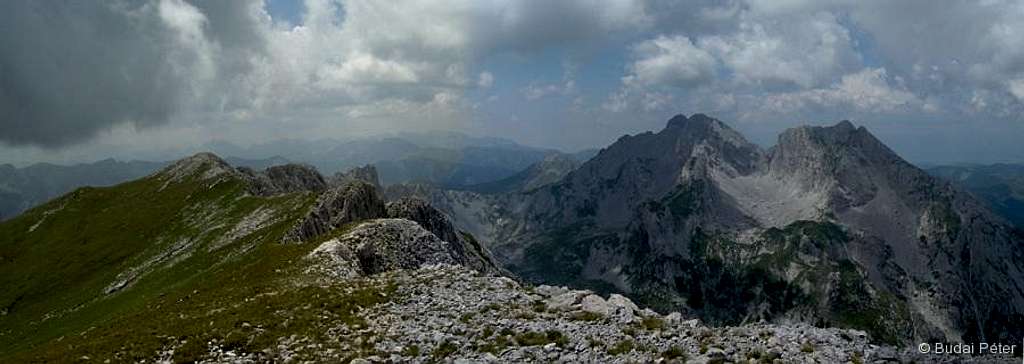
<point x="595" y="304"/>
<point x="550" y="291"/>
<point x="562" y="302"/>
<point x="618" y="300"/>
<point x="674" y="318"/>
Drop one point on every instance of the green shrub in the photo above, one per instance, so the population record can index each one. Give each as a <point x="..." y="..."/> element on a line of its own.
<point x="444" y="350"/>
<point x="674" y="352"/>
<point x="652" y="323"/>
<point x="622" y="347"/>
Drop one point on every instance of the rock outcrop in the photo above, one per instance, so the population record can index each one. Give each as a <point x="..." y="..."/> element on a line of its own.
<point x="464" y="248"/>
<point x="337" y="206"/>
<point x="382" y="245"/>
<point x="282" y="179"/>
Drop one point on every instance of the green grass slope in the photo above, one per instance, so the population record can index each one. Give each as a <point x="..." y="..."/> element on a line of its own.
<point x="167" y="261"/>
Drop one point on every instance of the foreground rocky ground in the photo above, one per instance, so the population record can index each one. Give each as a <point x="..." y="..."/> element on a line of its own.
<point x="445" y="313"/>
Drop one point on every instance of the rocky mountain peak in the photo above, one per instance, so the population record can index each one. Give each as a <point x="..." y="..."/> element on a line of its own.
<point x="209" y="164"/>
<point x="680" y="140"/>
<point x="850" y="156"/>
<point x="677" y="121"/>
<point x="842" y="137"/>
<point x="697" y="120"/>
<point x="845" y="125"/>
<point x="843" y="165"/>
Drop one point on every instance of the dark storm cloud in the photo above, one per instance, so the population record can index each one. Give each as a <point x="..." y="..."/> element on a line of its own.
<point x="69" y="70"/>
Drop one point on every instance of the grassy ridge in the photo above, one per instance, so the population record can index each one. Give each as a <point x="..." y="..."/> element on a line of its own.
<point x="57" y="261"/>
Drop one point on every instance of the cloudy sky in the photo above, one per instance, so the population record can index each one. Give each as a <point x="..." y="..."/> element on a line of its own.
<point x="940" y="81"/>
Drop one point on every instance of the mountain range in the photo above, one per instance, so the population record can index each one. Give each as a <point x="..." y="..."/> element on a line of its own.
<point x="688" y="243"/>
<point x="829" y="226"/>
<point x="452" y="160"/>
<point x="443" y="158"/>
<point x="27" y="187"/>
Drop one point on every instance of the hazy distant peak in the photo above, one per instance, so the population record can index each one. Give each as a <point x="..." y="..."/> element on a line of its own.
<point x="367" y="173"/>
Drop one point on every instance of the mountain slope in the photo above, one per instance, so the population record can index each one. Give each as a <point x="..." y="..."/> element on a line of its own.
<point x="24" y="188"/>
<point x="184" y="222"/>
<point x="549" y="170"/>
<point x="829" y="227"/>
<point x="182" y="258"/>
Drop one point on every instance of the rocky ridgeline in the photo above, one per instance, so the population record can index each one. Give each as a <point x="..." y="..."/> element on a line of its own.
<point x="444" y="313"/>
<point x="283" y="179"/>
<point x="205" y="166"/>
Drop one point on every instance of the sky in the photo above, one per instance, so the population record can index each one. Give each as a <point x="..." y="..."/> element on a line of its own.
<point x="938" y="81"/>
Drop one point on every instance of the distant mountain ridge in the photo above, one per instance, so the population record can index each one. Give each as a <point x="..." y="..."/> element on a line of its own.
<point x="24" y="188"/>
<point x="829" y="226"/>
<point x="446" y="159"/>
<point x="1001" y="186"/>
<point x="443" y="158"/>
<point x="549" y="170"/>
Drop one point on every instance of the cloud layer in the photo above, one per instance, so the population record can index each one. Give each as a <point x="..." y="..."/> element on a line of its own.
<point x="84" y="73"/>
<point x="850" y="57"/>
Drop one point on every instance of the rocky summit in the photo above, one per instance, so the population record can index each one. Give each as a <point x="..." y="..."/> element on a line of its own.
<point x="686" y="245"/>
